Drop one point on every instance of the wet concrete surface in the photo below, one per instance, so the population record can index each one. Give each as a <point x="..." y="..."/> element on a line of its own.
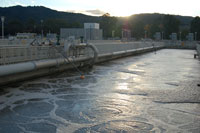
<point x="146" y="93"/>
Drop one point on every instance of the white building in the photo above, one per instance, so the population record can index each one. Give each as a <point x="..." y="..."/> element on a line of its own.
<point x="90" y="31"/>
<point x="190" y="37"/>
<point x="173" y="37"/>
<point x="157" y="36"/>
<point x="91" y="26"/>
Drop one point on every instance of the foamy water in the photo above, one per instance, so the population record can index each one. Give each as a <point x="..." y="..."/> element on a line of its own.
<point x="146" y="93"/>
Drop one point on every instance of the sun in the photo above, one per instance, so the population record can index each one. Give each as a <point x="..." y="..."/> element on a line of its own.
<point x="123" y="8"/>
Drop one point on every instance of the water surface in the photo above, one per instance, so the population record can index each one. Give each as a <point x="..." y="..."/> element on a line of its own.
<point x="146" y="93"/>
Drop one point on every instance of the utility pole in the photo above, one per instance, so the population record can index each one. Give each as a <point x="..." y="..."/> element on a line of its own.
<point x="2" y="20"/>
<point x="145" y="34"/>
<point x="195" y="36"/>
<point x="122" y="34"/>
<point x="90" y="33"/>
<point x="113" y="33"/>
<point x="42" y="28"/>
<point x="180" y="36"/>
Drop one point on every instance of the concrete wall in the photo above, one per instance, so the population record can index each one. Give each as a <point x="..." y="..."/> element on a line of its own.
<point x="180" y="44"/>
<point x="17" y="42"/>
<point x="107" y="51"/>
<point x="198" y="49"/>
<point x="107" y="47"/>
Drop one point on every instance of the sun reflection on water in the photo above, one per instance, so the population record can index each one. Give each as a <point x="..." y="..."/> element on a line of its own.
<point x="122" y="86"/>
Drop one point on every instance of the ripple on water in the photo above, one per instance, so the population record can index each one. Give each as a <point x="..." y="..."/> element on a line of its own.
<point x="90" y="111"/>
<point x="120" y="126"/>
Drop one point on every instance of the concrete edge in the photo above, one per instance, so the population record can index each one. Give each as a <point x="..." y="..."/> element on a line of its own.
<point x="52" y="66"/>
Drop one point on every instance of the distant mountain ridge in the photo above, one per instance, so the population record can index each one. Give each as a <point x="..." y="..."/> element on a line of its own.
<point x="185" y="20"/>
<point x="40" y="13"/>
<point x="36" y="18"/>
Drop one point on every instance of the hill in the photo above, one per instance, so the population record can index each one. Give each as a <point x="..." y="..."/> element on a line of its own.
<point x="42" y="13"/>
<point x="33" y="19"/>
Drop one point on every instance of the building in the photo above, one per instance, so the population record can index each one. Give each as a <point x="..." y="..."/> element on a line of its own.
<point x="90" y="31"/>
<point x="190" y="37"/>
<point x="157" y="36"/>
<point x="173" y="37"/>
<point x="91" y="26"/>
<point x="126" y="32"/>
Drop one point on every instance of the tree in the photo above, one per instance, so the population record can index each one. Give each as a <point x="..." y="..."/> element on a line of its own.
<point x="171" y="25"/>
<point x="195" y="26"/>
<point x="137" y="29"/>
<point x="54" y="25"/>
<point x="30" y="25"/>
<point x="108" y="24"/>
<point x="147" y="28"/>
<point x="15" y="26"/>
<point x="184" y="33"/>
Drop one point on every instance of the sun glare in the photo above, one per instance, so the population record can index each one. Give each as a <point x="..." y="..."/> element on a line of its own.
<point x="129" y="7"/>
<point x="122" y="8"/>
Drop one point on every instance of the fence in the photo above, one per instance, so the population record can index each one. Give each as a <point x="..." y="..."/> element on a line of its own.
<point x="198" y="49"/>
<point x="15" y="54"/>
<point x="180" y="44"/>
<point x="9" y="55"/>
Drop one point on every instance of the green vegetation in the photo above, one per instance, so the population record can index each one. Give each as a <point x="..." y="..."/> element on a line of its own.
<point x="195" y="26"/>
<point x="34" y="19"/>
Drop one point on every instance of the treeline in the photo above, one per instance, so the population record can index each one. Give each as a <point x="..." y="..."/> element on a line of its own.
<point x="195" y="27"/>
<point x="36" y="19"/>
<point x="152" y="23"/>
<point x="48" y="26"/>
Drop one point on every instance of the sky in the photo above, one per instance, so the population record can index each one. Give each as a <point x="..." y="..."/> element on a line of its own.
<point x="115" y="7"/>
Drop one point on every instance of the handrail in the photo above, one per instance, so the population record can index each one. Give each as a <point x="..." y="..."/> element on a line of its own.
<point x="198" y="48"/>
<point x="71" y="47"/>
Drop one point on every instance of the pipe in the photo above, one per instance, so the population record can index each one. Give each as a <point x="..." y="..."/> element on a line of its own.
<point x="67" y="47"/>
<point x="46" y="63"/>
<point x="34" y="65"/>
<point x="96" y="52"/>
<point x="17" y="68"/>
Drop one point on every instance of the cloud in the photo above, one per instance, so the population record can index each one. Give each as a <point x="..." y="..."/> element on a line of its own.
<point x="73" y="11"/>
<point x="96" y="12"/>
<point x="32" y="2"/>
<point x="19" y="3"/>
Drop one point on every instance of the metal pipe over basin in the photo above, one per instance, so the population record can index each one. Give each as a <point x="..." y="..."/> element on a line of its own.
<point x="70" y="46"/>
<point x="16" y="68"/>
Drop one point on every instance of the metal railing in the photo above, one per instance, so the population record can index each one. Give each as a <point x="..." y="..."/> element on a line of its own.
<point x="180" y="44"/>
<point x="198" y="49"/>
<point x="17" y="54"/>
<point x="10" y="55"/>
